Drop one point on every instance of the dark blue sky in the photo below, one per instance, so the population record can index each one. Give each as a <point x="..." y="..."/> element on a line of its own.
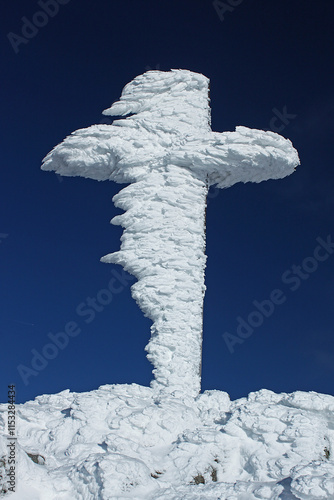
<point x="271" y="67"/>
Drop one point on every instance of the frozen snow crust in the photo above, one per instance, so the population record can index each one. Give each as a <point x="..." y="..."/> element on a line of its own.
<point x="166" y="149"/>
<point x="131" y="442"/>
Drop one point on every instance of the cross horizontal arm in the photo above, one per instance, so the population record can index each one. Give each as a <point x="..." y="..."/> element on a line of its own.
<point x="246" y="155"/>
<point x="120" y="153"/>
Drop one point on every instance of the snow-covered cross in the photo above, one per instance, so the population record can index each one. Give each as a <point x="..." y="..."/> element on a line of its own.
<point x="166" y="150"/>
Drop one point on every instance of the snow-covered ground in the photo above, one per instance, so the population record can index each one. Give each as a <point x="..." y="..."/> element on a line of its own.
<point x="131" y="442"/>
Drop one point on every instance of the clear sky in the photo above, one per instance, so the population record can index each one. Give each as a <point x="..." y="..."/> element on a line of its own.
<point x="271" y="67"/>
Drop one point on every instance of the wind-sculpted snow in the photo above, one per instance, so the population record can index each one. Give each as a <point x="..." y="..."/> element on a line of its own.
<point x="129" y="442"/>
<point x="167" y="150"/>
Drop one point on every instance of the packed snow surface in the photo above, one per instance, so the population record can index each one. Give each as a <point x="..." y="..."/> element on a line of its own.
<point x="132" y="442"/>
<point x="166" y="149"/>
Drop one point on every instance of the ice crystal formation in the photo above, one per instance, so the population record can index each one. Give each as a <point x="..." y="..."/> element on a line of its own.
<point x="166" y="150"/>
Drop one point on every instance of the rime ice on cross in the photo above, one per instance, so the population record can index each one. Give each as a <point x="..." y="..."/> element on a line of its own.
<point x="168" y="153"/>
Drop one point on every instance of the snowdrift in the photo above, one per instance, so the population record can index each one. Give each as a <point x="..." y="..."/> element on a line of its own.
<point x="128" y="442"/>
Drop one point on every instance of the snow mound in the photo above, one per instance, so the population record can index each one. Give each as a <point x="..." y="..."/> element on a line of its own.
<point x="131" y="442"/>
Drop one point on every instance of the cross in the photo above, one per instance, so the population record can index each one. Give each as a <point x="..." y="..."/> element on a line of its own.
<point x="165" y="150"/>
